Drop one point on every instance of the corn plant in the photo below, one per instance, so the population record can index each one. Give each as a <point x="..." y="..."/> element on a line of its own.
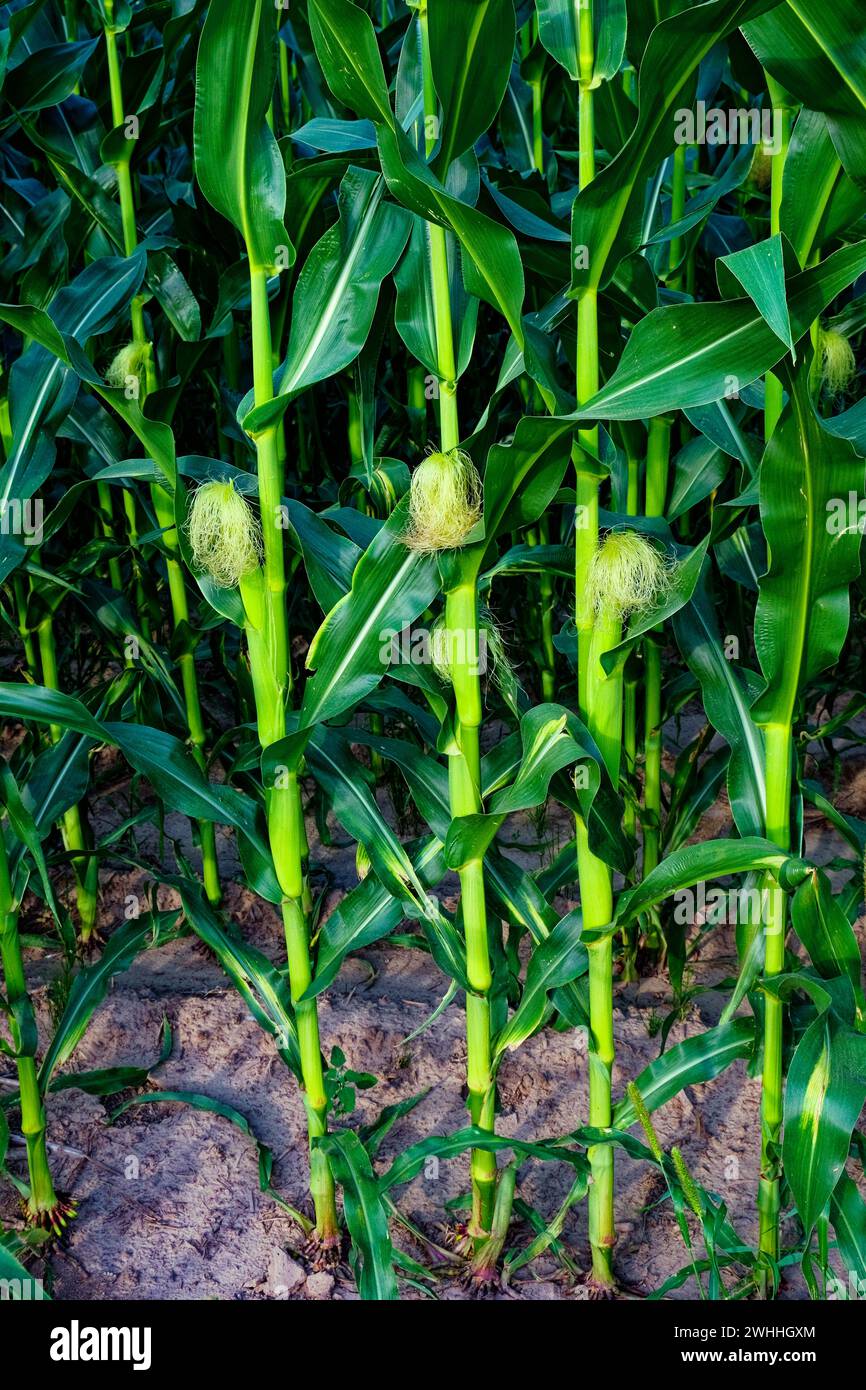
<point x="440" y="422"/>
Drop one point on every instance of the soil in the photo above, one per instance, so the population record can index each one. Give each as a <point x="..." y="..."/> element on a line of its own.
<point x="169" y="1200"/>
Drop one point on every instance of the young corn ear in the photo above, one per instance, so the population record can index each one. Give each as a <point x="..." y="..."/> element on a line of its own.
<point x="838" y="364"/>
<point x="627" y="575"/>
<point x="491" y="658"/>
<point x="444" y="502"/>
<point x="128" y="362"/>
<point x="224" y="535"/>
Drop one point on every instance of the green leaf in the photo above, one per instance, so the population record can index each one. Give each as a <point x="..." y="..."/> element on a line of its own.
<point x="819" y="200"/>
<point x="549" y="745"/>
<point x="559" y="960"/>
<point x="848" y="1215"/>
<point x="27" y="832"/>
<point x="826" y="933"/>
<point x="49" y="76"/>
<point x="558" y="31"/>
<point x="18" y="1282"/>
<point x="42" y="388"/>
<point x="696" y="864"/>
<point x="815" y="51"/>
<point x="471" y="48"/>
<point x="760" y="269"/>
<point x="366" y="1215"/>
<point x="162" y="758"/>
<point x="492" y="268"/>
<point x="347" y="50"/>
<point x="803" y="607"/>
<point x="824" y="1095"/>
<point x="350" y="653"/>
<point x="91" y="984"/>
<point x="691" y="354"/>
<point x="728" y="691"/>
<point x="607" y="217"/>
<point x="211" y="1106"/>
<point x="337" y="290"/>
<point x="412" y="1160"/>
<point x="689" y="1063"/>
<point x="237" y="160"/>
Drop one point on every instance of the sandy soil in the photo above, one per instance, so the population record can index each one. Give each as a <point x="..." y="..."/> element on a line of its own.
<point x="169" y="1199"/>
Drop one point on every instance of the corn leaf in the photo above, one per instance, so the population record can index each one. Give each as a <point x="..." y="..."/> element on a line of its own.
<point x="237" y="160"/>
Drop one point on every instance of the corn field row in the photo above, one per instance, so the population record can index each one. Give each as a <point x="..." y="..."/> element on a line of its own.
<point x="435" y="429"/>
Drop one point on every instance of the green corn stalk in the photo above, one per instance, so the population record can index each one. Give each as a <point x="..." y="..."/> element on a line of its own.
<point x="596" y="701"/>
<point x="464" y="767"/>
<point x="85" y="867"/>
<point x="264" y="591"/>
<point x="658" y="456"/>
<point x="162" y="501"/>
<point x="658" y="362"/>
<point x="42" y="1205"/>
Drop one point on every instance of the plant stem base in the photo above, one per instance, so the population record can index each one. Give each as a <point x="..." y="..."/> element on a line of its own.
<point x="598" y="1289"/>
<point x="53" y="1219"/>
<point x="324" y="1251"/>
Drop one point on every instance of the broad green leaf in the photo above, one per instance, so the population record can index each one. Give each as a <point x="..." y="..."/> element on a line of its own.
<point x="492" y="268"/>
<point x="347" y="50"/>
<point x="161" y="757"/>
<point x="366" y="1215"/>
<point x="337" y="291"/>
<point x="826" y="932"/>
<point x="760" y="270"/>
<point x="366" y="914"/>
<point x="48" y="76"/>
<point x="471" y="48"/>
<point x="42" y="388"/>
<point x="558" y="31"/>
<point x="522" y="478"/>
<point x="816" y="52"/>
<point x="237" y="160"/>
<point x="803" y="607"/>
<point x="549" y="745"/>
<point x="848" y="1215"/>
<point x="690" y="354"/>
<point x="558" y="961"/>
<point x="350" y="653"/>
<point x="91" y="984"/>
<point x="697" y="864"/>
<point x="819" y="200"/>
<point x="701" y="205"/>
<point x="26" y="832"/>
<point x="727" y="691"/>
<point x="18" y="1282"/>
<point x="689" y="1063"/>
<point x="415" y="314"/>
<point x="824" y="1096"/>
<point x="329" y="754"/>
<point x="607" y="216"/>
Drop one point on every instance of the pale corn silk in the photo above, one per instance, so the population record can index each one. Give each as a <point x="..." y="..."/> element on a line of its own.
<point x="444" y="502"/>
<point x="838" y="363"/>
<point x="224" y="535"/>
<point x="125" y="364"/>
<point x="493" y="658"/>
<point x="627" y="574"/>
